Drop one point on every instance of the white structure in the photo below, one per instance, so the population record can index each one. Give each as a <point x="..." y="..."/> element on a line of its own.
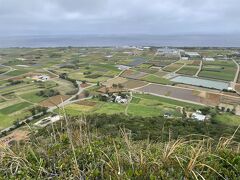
<point x="146" y="47"/>
<point x="167" y="51"/>
<point x="123" y="67"/>
<point x="192" y="54"/>
<point x="41" y="78"/>
<point x="48" y="120"/>
<point x="208" y="59"/>
<point x="184" y="58"/>
<point x="198" y="116"/>
<point x="119" y="99"/>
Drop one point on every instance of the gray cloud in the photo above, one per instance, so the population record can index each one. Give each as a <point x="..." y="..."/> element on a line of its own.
<point x="119" y="16"/>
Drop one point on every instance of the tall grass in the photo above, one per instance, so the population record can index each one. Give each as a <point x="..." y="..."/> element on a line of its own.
<point x="70" y="150"/>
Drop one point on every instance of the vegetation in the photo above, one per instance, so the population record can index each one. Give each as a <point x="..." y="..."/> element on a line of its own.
<point x="219" y="70"/>
<point x="14" y="108"/>
<point x="48" y="93"/>
<point x="156" y="79"/>
<point x="82" y="148"/>
<point x="188" y="70"/>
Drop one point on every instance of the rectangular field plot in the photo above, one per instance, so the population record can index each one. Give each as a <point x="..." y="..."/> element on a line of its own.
<point x="188" y="70"/>
<point x="133" y="74"/>
<point x="173" y="67"/>
<point x="14" y="108"/>
<point x="156" y="79"/>
<point x="32" y="97"/>
<point x="221" y="70"/>
<point x="131" y="84"/>
<point x="186" y="95"/>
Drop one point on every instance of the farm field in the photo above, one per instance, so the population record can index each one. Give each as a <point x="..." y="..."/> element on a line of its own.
<point x="32" y="97"/>
<point x="14" y="108"/>
<point x="186" y="95"/>
<point x="228" y="119"/>
<point x="132" y="74"/>
<point x="173" y="67"/>
<point x="68" y="72"/>
<point x="156" y="79"/>
<point x="219" y="70"/>
<point x="140" y="106"/>
<point x="188" y="70"/>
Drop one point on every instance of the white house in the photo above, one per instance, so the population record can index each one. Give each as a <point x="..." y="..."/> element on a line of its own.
<point x="208" y="59"/>
<point x="119" y="99"/>
<point x="41" y="78"/>
<point x="192" y="54"/>
<point x="198" y="116"/>
<point x="167" y="51"/>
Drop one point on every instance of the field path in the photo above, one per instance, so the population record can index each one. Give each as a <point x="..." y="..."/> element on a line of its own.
<point x="129" y="101"/>
<point x="10" y="69"/>
<point x="179" y="68"/>
<point x="237" y="72"/>
<point x="19" y="97"/>
<point x="50" y="72"/>
<point x="200" y="68"/>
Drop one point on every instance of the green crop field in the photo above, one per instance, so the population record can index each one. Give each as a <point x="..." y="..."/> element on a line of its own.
<point x="32" y="97"/>
<point x="188" y="70"/>
<point x="168" y="101"/>
<point x="96" y="66"/>
<point x="220" y="70"/>
<point x="17" y="72"/>
<point x="14" y="108"/>
<point x="156" y="79"/>
<point x="228" y="119"/>
<point x="173" y="67"/>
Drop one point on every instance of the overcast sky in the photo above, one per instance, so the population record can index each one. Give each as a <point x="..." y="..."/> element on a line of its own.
<point x="30" y="17"/>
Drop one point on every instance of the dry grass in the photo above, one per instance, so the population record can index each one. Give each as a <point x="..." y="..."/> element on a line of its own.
<point x="69" y="150"/>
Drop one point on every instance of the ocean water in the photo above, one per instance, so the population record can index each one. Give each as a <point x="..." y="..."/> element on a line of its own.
<point x="117" y="40"/>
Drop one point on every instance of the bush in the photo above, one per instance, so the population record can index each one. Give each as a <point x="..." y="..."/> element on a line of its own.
<point x="48" y="93"/>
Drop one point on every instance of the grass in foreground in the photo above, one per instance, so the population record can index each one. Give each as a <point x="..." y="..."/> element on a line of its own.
<point x="71" y="150"/>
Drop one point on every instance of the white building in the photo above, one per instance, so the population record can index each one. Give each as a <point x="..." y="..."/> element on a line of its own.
<point x="167" y="51"/>
<point x="184" y="58"/>
<point x="123" y="67"/>
<point x="193" y="54"/>
<point x="208" y="59"/>
<point x="198" y="116"/>
<point x="48" y="120"/>
<point x="119" y="99"/>
<point x="41" y="78"/>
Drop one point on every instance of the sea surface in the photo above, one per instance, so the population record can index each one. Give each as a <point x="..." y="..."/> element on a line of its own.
<point x="123" y="40"/>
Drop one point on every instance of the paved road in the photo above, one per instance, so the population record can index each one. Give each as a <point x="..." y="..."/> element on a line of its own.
<point x="67" y="102"/>
<point x="71" y="99"/>
<point x="10" y="69"/>
<point x="200" y="68"/>
<point x="237" y="72"/>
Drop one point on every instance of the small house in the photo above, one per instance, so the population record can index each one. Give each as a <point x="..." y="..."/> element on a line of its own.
<point x="198" y="116"/>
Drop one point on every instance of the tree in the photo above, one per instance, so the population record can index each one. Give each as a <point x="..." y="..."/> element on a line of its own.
<point x="114" y="85"/>
<point x="16" y="123"/>
<point x="86" y="93"/>
<point x="63" y="76"/>
<point x="120" y="86"/>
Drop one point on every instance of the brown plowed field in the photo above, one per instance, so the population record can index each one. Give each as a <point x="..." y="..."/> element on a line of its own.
<point x="53" y="101"/>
